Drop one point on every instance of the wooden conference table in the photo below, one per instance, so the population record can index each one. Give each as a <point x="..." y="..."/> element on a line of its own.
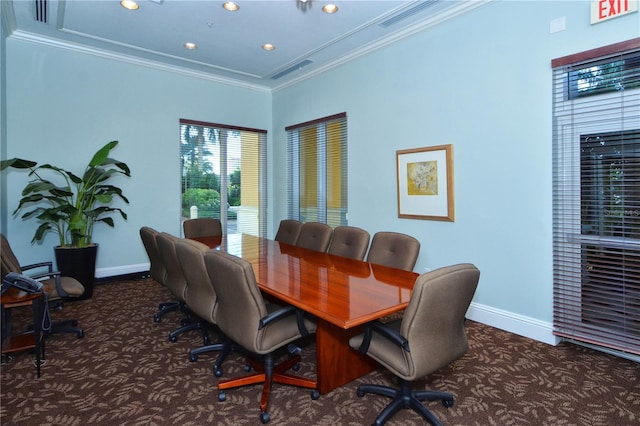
<point x="343" y="294"/>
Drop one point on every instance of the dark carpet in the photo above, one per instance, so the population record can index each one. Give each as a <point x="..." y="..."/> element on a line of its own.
<point x="125" y="371"/>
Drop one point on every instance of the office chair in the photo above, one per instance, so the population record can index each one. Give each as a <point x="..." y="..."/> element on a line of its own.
<point x="177" y="283"/>
<point x="57" y="287"/>
<point x="394" y="249"/>
<point x="430" y="336"/>
<point x="157" y="271"/>
<point x="202" y="227"/>
<point x="314" y="236"/>
<point x="288" y="231"/>
<point x="349" y="241"/>
<point x="201" y="298"/>
<point x="259" y="328"/>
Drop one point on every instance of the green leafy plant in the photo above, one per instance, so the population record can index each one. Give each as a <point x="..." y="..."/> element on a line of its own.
<point x="71" y="208"/>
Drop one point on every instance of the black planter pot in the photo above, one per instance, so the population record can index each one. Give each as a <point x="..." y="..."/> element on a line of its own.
<point x="78" y="263"/>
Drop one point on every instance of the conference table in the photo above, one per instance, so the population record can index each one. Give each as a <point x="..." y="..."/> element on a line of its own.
<point x="342" y="294"/>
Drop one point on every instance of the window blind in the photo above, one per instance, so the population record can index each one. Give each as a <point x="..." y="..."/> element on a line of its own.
<point x="596" y="197"/>
<point x="317" y="170"/>
<point x="223" y="173"/>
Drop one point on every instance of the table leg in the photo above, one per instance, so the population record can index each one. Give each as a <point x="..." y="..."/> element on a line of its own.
<point x="38" y="307"/>
<point x="337" y="364"/>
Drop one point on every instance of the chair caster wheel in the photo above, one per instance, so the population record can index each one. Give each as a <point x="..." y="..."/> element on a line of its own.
<point x="265" y="417"/>
<point x="222" y="396"/>
<point x="206" y="341"/>
<point x="359" y="393"/>
<point x="217" y="371"/>
<point x="315" y="394"/>
<point x="193" y="357"/>
<point x="296" y="367"/>
<point x="157" y="318"/>
<point x="80" y="334"/>
<point x="447" y="403"/>
<point x="247" y="367"/>
<point x="173" y="338"/>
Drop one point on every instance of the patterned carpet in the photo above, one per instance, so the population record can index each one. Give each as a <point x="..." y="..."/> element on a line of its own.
<point x="126" y="372"/>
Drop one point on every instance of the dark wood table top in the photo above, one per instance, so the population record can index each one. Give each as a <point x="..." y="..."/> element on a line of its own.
<point x="342" y="291"/>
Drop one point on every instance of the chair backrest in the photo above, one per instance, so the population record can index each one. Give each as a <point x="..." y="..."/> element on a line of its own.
<point x="314" y="236"/>
<point x="394" y="249"/>
<point x="288" y="231"/>
<point x="156" y="268"/>
<point x="433" y="322"/>
<point x="174" y="278"/>
<point x="202" y="227"/>
<point x="9" y="261"/>
<point x="349" y="241"/>
<point x="240" y="304"/>
<point x="199" y="295"/>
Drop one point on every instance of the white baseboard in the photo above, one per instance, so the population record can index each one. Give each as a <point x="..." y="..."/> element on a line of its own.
<point x="121" y="270"/>
<point x="513" y="323"/>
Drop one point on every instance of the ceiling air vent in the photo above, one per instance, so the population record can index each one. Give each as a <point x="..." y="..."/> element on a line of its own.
<point x="41" y="10"/>
<point x="292" y="68"/>
<point x="407" y="13"/>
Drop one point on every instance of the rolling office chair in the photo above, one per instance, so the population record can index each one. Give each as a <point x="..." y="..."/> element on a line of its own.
<point x="288" y="231"/>
<point x="430" y="336"/>
<point x="202" y="227"/>
<point x="157" y="271"/>
<point x="314" y="236"/>
<point x="201" y="298"/>
<point x="260" y="329"/>
<point x="57" y="287"/>
<point x="394" y="249"/>
<point x="349" y="241"/>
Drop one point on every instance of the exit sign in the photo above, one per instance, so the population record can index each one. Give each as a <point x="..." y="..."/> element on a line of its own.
<point x="601" y="10"/>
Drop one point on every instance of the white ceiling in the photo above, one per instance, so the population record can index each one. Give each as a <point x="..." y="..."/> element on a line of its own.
<point x="307" y="41"/>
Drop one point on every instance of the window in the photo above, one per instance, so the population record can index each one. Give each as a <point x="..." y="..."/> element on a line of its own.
<point x="596" y="197"/>
<point x="223" y="175"/>
<point x="317" y="172"/>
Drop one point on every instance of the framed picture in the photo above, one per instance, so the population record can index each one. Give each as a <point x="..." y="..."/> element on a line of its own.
<point x="425" y="183"/>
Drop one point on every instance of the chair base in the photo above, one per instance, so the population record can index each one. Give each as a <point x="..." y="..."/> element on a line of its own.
<point x="267" y="373"/>
<point x="404" y="397"/>
<point x="165" y="308"/>
<point x="67" y="326"/>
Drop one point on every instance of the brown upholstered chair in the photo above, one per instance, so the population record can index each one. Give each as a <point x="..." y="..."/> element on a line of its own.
<point x="57" y="287"/>
<point x="176" y="282"/>
<point x="430" y="336"/>
<point x="259" y="328"/>
<point x="202" y="227"/>
<point x="288" y="231"/>
<point x="314" y="236"/>
<point x="157" y="271"/>
<point x="394" y="249"/>
<point x="200" y="297"/>
<point x="349" y="241"/>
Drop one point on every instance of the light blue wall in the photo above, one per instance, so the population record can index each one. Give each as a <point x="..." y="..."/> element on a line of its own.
<point x="63" y="105"/>
<point x="481" y="82"/>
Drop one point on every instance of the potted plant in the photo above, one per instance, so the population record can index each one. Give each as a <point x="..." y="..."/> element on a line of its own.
<point x="70" y="206"/>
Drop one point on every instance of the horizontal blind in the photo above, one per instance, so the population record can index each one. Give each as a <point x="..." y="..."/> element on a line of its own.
<point x="223" y="171"/>
<point x="596" y="197"/>
<point x="317" y="170"/>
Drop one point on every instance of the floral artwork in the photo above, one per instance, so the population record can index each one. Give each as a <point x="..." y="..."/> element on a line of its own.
<point x="422" y="178"/>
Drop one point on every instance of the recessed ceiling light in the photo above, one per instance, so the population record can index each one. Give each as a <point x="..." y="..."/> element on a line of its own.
<point x="268" y="46"/>
<point x="330" y="8"/>
<point x="231" y="6"/>
<point x="190" y="46"/>
<point x="129" y="4"/>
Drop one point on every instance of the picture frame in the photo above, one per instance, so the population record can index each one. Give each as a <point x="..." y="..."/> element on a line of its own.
<point x="425" y="183"/>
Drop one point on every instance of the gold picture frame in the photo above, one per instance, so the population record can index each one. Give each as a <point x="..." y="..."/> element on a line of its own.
<point x="425" y="183"/>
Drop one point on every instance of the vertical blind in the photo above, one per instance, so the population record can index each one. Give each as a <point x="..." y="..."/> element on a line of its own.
<point x="317" y="170"/>
<point x="596" y="197"/>
<point x="223" y="172"/>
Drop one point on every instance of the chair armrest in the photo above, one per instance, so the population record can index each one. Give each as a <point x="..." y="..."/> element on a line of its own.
<point x="384" y="330"/>
<point x="49" y="265"/>
<point x="285" y="312"/>
<point x="51" y="274"/>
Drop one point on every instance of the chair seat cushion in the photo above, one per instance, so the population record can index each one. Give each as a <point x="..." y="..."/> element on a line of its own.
<point x="70" y="285"/>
